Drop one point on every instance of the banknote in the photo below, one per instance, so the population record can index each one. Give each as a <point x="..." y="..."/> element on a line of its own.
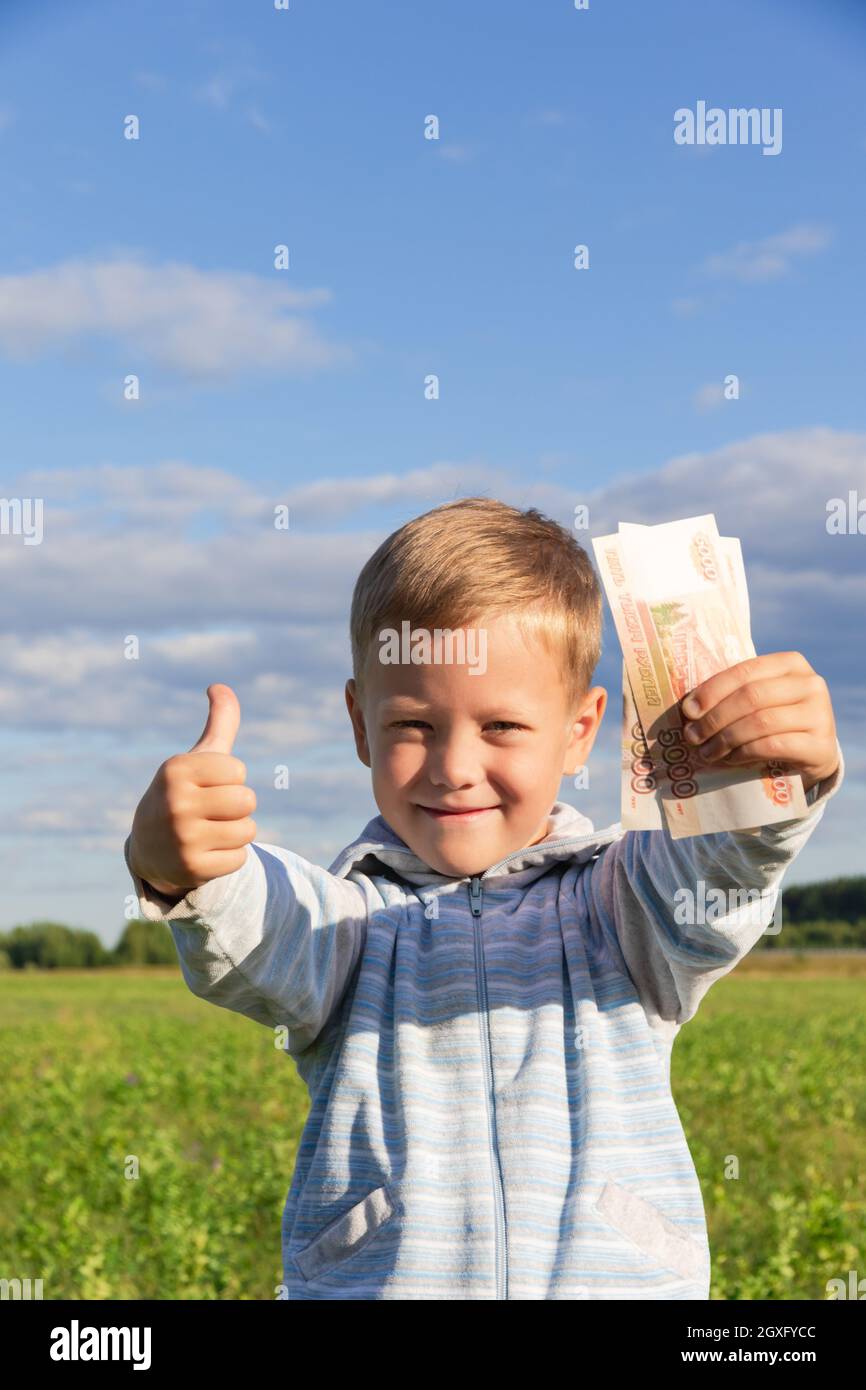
<point x="641" y="806"/>
<point x="679" y="599"/>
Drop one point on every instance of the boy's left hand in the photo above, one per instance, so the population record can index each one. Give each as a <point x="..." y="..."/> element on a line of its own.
<point x="772" y="706"/>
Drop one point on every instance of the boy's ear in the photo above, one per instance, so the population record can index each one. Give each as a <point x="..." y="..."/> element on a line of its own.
<point x="584" y="729"/>
<point x="356" y="714"/>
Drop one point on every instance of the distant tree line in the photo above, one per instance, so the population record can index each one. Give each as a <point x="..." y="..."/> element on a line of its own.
<point x="51" y="946"/>
<point x="827" y="914"/>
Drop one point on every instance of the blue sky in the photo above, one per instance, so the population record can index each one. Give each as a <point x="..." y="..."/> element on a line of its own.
<point x="407" y="257"/>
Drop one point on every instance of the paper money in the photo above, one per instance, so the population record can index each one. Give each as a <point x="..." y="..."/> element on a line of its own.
<point x="680" y="604"/>
<point x="640" y="806"/>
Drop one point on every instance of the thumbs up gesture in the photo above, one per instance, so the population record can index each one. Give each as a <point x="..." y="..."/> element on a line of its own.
<point x="194" y="821"/>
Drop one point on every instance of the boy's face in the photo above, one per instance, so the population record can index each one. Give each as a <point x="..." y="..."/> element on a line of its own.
<point x="439" y="738"/>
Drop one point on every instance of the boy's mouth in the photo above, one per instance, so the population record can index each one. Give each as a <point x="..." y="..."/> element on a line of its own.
<point x="470" y="813"/>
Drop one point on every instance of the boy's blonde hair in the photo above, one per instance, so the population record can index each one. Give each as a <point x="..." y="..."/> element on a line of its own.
<point x="478" y="557"/>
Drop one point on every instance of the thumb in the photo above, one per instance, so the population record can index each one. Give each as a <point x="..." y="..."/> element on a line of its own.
<point x="223" y="721"/>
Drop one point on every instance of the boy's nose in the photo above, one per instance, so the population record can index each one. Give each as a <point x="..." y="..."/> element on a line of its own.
<point x="454" y="765"/>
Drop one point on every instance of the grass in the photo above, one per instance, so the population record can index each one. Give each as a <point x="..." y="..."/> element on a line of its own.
<point x="125" y="1072"/>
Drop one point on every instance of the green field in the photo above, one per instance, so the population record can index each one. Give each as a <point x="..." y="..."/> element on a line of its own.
<point x="102" y="1064"/>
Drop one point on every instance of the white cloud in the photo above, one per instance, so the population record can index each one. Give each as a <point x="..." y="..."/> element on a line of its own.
<point x="770" y="489"/>
<point x="220" y="89"/>
<point x="547" y="117"/>
<point x="709" y="397"/>
<point x="80" y="186"/>
<point x="258" y="120"/>
<point x="124" y="546"/>
<point x="168" y="494"/>
<point x="64" y="661"/>
<point x="686" y="306"/>
<point x="753" y="262"/>
<point x="194" y="648"/>
<point x="200" y="323"/>
<point x="334" y="497"/>
<point x="457" y="153"/>
<point x="173" y="494"/>
<point x="217" y="91"/>
<point x="151" y="81"/>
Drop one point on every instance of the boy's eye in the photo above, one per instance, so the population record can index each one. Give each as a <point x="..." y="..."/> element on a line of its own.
<point x="411" y="723"/>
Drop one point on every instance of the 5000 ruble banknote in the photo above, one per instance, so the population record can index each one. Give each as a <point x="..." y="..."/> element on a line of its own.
<point x="679" y="600"/>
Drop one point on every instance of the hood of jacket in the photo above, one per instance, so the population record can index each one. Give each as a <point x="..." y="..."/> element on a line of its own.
<point x="569" y="833"/>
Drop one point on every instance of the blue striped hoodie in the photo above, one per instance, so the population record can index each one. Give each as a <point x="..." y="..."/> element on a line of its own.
<point x="487" y="1058"/>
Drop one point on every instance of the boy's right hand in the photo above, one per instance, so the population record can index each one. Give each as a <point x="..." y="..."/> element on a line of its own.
<point x="194" y="821"/>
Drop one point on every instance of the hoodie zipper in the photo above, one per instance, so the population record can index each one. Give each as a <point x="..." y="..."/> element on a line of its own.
<point x="476" y="898"/>
<point x="475" y="901"/>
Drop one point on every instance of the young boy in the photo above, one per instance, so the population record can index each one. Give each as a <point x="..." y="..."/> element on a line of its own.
<point x="482" y="992"/>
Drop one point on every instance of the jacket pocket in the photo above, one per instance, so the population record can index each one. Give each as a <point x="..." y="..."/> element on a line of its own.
<point x="348" y="1234"/>
<point x="651" y="1231"/>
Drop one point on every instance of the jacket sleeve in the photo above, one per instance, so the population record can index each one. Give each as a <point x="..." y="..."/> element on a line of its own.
<point x="637" y="896"/>
<point x="276" y="940"/>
